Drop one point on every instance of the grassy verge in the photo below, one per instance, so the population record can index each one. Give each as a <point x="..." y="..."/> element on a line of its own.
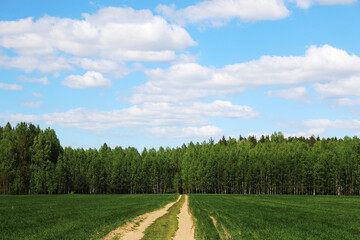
<point x="72" y="216"/>
<point x="166" y="226"/>
<point x="204" y="227"/>
<point x="276" y="216"/>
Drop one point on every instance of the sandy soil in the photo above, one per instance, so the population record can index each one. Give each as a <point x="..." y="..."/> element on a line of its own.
<point x="134" y="229"/>
<point x="186" y="229"/>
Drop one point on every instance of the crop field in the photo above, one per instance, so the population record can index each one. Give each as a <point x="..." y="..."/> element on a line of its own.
<point x="72" y="216"/>
<point x="215" y="216"/>
<point x="276" y="216"/>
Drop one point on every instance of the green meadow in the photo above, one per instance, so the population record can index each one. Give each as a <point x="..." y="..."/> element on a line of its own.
<point x="276" y="216"/>
<point x="235" y="216"/>
<point x="72" y="216"/>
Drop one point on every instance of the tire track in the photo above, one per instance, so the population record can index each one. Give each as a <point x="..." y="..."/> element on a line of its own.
<point x="134" y="229"/>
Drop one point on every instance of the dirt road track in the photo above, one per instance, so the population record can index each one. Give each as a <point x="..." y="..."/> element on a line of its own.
<point x="186" y="228"/>
<point x="134" y="230"/>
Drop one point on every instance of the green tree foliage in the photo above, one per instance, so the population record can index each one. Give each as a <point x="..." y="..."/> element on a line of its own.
<point x="25" y="135"/>
<point x="45" y="152"/>
<point x="8" y="157"/>
<point x="33" y="161"/>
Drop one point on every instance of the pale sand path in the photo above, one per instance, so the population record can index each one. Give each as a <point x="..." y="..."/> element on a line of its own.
<point x="186" y="229"/>
<point x="131" y="231"/>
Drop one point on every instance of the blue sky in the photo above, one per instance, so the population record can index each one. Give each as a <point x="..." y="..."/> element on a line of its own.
<point x="150" y="74"/>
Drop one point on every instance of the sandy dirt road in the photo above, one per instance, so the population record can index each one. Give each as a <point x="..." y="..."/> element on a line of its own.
<point x="134" y="229"/>
<point x="186" y="228"/>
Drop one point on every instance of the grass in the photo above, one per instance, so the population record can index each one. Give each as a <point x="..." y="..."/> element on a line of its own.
<point x="276" y="216"/>
<point x="72" y="216"/>
<point x="166" y="226"/>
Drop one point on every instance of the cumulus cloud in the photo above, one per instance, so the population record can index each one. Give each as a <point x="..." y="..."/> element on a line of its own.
<point x="116" y="69"/>
<point x="203" y="132"/>
<point x="320" y="126"/>
<point x="13" y="87"/>
<point x="219" y="11"/>
<point x="148" y="115"/>
<point x="224" y="109"/>
<point x="43" y="64"/>
<point x="15" y="27"/>
<point x="352" y="125"/>
<point x="307" y="3"/>
<point x="183" y="82"/>
<point x="347" y="102"/>
<point x="339" y="88"/>
<point x="119" y="34"/>
<point x="326" y="123"/>
<point x="42" y="80"/>
<point x="101" y="42"/>
<point x="298" y="93"/>
<point x="90" y="79"/>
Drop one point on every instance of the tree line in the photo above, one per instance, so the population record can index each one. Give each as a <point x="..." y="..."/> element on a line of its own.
<point x="32" y="161"/>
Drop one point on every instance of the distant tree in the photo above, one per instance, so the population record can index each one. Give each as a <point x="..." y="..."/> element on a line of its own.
<point x="33" y="161"/>
<point x="45" y="152"/>
<point x="8" y="157"/>
<point x="24" y="138"/>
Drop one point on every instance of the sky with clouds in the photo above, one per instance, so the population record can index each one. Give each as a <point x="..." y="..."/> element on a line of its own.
<point x="163" y="73"/>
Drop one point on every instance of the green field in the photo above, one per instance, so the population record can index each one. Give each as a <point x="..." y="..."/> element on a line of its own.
<point x="238" y="216"/>
<point x="276" y="216"/>
<point x="72" y="216"/>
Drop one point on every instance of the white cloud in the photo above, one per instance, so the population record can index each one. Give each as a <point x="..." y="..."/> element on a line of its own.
<point x="148" y="115"/>
<point x="15" y="27"/>
<point x="224" y="109"/>
<point x="42" y="80"/>
<point x="32" y="104"/>
<point x="19" y="117"/>
<point x="117" y="69"/>
<point x="90" y="79"/>
<point x="217" y="12"/>
<point x="13" y="87"/>
<point x="306" y="133"/>
<point x="44" y="64"/>
<point x="320" y="126"/>
<point x="339" y="88"/>
<point x="116" y="34"/>
<point x="37" y="95"/>
<point x="347" y="102"/>
<point x="183" y="82"/>
<point x="186" y="58"/>
<point x="298" y="93"/>
<point x="100" y="65"/>
<point x="203" y="132"/>
<point x="326" y="123"/>
<point x="307" y="3"/>
<point x="100" y="42"/>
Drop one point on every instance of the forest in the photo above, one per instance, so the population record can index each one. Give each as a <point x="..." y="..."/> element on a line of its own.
<point x="32" y="161"/>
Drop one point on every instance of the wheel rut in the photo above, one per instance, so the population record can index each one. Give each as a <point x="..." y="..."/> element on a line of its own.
<point x="186" y="225"/>
<point x="134" y="229"/>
